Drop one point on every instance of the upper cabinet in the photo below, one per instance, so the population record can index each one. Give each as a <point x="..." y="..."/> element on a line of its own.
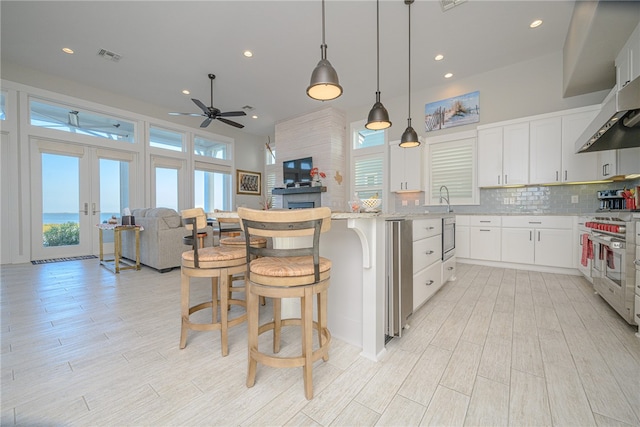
<point x="583" y="166"/>
<point x="503" y="155"/>
<point x="628" y="60"/>
<point x="618" y="162"/>
<point x="538" y="150"/>
<point x="405" y="172"/>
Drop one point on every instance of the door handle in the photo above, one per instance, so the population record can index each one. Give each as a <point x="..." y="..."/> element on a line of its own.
<point x="86" y="208"/>
<point x="93" y="208"/>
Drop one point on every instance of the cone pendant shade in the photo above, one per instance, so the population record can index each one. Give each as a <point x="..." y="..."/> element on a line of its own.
<point x="409" y="137"/>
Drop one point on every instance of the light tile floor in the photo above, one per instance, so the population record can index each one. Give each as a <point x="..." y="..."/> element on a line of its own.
<point x="83" y="346"/>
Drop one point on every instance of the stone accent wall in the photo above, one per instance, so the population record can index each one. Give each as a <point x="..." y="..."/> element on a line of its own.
<point x="321" y="135"/>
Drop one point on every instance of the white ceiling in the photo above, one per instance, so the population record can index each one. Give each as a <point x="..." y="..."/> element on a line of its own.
<point x="167" y="46"/>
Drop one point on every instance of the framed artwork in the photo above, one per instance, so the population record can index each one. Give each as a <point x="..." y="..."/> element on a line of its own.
<point x="457" y="111"/>
<point x="248" y="182"/>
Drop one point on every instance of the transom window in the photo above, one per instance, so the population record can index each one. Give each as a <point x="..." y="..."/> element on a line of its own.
<point x="75" y="120"/>
<point x="165" y="139"/>
<point x="366" y="138"/>
<point x="209" y="148"/>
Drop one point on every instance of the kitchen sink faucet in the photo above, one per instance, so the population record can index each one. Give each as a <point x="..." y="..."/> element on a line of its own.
<point x="445" y="198"/>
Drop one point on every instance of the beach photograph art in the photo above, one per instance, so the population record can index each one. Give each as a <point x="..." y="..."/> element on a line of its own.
<point x="456" y="111"/>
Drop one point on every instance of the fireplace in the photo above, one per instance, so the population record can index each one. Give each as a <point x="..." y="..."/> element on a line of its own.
<point x="300" y="198"/>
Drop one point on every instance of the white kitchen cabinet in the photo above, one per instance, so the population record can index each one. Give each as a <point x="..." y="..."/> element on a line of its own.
<point x="628" y="60"/>
<point x="405" y="169"/>
<point x="448" y="269"/>
<point x="546" y="241"/>
<point x="618" y="162"/>
<point x="462" y="236"/>
<point x="484" y="238"/>
<point x="545" y="155"/>
<point x="583" y="166"/>
<point x="427" y="259"/>
<point x="503" y="155"/>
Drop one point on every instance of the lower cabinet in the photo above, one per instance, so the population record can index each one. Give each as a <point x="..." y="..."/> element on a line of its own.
<point x="545" y="241"/>
<point x="484" y="238"/>
<point x="425" y="283"/>
<point x="448" y="269"/>
<point x="427" y="259"/>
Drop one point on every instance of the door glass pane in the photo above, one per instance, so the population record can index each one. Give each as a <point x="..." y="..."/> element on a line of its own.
<point x="212" y="190"/>
<point x="165" y="139"/>
<point x="60" y="200"/>
<point x="114" y="188"/>
<point x="167" y="188"/>
<point x="3" y="105"/>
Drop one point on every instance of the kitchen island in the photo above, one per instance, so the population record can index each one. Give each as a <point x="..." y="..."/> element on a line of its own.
<point x="356" y="309"/>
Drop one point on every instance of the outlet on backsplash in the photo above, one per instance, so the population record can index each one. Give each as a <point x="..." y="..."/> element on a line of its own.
<point x="574" y="198"/>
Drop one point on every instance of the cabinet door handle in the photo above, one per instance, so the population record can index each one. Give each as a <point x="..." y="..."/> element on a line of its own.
<point x="430" y="282"/>
<point x="556" y="175"/>
<point x="566" y="176"/>
<point x="429" y="228"/>
<point x="498" y="179"/>
<point x="450" y="268"/>
<point x="505" y="179"/>
<point x="485" y="221"/>
<point x="484" y="230"/>
<point x="535" y="222"/>
<point x="429" y="252"/>
<point x="530" y="235"/>
<point x="538" y="236"/>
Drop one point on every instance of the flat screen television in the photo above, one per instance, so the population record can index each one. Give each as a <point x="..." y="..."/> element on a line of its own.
<point x="297" y="170"/>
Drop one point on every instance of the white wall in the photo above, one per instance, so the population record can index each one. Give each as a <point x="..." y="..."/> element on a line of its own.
<point x="521" y="90"/>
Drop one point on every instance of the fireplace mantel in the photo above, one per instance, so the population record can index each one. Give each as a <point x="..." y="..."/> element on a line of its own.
<point x="298" y="190"/>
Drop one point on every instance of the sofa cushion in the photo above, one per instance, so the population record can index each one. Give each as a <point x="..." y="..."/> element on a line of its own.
<point x="170" y="216"/>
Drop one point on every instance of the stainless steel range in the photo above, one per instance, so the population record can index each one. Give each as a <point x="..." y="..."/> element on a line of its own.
<point x="612" y="238"/>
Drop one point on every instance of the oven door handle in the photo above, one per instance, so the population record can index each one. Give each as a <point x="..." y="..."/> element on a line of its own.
<point x="607" y="243"/>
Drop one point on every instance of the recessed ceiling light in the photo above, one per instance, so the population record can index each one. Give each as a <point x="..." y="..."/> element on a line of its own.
<point x="448" y="75"/>
<point x="186" y="92"/>
<point x="439" y="57"/>
<point x="536" y="23"/>
<point x="247" y="53"/>
<point x="254" y="117"/>
<point x="67" y="50"/>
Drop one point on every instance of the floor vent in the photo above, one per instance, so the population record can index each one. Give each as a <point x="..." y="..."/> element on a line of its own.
<point x="107" y="54"/>
<point x="448" y="4"/>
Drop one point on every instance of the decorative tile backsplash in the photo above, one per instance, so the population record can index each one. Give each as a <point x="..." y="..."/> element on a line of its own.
<point x="555" y="199"/>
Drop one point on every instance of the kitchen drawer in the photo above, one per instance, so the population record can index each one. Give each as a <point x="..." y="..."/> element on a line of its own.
<point x="485" y="221"/>
<point x="426" y="252"/>
<point x="425" y="284"/>
<point x="426" y="228"/>
<point x="610" y="292"/>
<point x="448" y="269"/>
<point x="526" y="221"/>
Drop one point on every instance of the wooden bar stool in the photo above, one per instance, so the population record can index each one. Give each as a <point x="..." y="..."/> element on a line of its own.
<point x="219" y="263"/>
<point x="256" y="242"/>
<point x="278" y="273"/>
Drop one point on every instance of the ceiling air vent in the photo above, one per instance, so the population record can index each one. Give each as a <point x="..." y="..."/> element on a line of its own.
<point x="107" y="54"/>
<point x="448" y="4"/>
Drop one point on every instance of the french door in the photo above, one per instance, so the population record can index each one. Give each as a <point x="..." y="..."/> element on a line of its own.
<point x="73" y="188"/>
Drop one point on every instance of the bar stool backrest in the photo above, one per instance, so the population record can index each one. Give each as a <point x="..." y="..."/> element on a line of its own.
<point x="191" y="217"/>
<point x="286" y="223"/>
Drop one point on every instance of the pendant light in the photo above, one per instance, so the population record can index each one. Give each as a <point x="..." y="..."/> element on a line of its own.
<point x="409" y="137"/>
<point x="378" y="116"/>
<point x="324" y="85"/>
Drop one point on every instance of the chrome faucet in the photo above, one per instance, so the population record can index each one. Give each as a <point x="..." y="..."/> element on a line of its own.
<point x="445" y="198"/>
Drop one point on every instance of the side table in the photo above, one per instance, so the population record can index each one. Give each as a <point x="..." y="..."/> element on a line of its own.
<point x="114" y="264"/>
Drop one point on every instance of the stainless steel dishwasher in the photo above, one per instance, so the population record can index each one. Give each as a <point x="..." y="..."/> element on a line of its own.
<point x="399" y="269"/>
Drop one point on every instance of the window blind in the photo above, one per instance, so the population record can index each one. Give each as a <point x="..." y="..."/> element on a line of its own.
<point x="452" y="164"/>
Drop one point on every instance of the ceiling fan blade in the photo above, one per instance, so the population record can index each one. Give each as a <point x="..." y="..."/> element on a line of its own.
<point x="232" y="114"/>
<point x="203" y="107"/>
<point x="206" y="122"/>
<point x="185" y="114"/>
<point x="232" y="123"/>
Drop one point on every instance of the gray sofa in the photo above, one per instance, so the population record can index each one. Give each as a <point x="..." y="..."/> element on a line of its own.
<point x="161" y="241"/>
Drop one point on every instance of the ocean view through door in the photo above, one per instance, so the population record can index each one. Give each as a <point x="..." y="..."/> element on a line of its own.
<point x="74" y="188"/>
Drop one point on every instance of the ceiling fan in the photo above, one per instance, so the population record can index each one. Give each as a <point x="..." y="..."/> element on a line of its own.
<point x="212" y="112"/>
